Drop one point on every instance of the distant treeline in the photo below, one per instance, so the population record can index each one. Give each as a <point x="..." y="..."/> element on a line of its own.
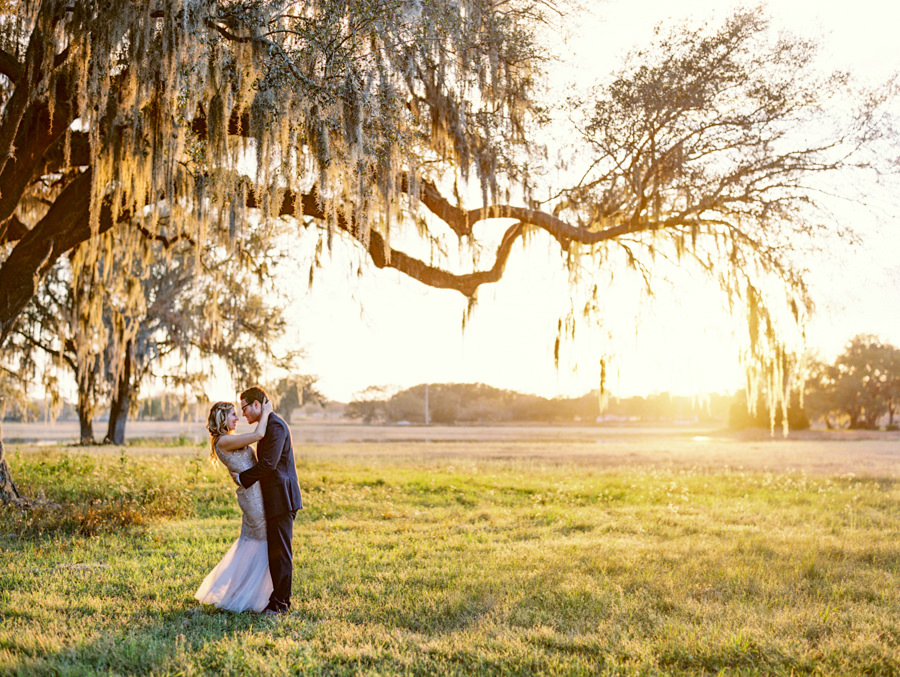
<point x="480" y="403"/>
<point x="156" y="408"/>
<point x="462" y="403"/>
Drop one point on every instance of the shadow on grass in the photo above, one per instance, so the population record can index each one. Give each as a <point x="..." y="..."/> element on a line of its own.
<point x="194" y="639"/>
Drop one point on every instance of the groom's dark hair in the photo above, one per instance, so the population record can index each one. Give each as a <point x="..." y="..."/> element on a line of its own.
<point x="254" y="394"/>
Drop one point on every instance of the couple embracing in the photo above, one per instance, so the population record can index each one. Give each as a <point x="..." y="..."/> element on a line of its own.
<point x="255" y="574"/>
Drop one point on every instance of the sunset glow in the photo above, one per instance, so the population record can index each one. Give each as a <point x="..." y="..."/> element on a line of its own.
<point x="393" y="331"/>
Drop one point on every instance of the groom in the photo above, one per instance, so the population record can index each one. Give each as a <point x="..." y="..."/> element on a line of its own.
<point x="277" y="477"/>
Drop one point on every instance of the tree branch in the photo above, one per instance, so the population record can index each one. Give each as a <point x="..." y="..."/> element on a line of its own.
<point x="467" y="283"/>
<point x="10" y="67"/>
<point x="36" y="133"/>
<point x="65" y="225"/>
<point x="166" y="241"/>
<point x="12" y="230"/>
<point x="228" y="35"/>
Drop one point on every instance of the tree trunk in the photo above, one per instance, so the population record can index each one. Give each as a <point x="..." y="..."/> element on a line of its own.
<point x="873" y="421"/>
<point x="118" y="406"/>
<point x="85" y="416"/>
<point x="118" y="417"/>
<point x="9" y="492"/>
<point x="86" y="425"/>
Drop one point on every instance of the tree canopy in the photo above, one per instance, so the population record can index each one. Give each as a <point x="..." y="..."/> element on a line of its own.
<point x="118" y="111"/>
<point x="860" y="387"/>
<point x="180" y="121"/>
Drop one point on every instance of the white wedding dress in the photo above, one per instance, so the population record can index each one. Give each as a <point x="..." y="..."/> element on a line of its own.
<point x="241" y="580"/>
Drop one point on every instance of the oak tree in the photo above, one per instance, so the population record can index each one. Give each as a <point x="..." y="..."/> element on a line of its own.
<point x="860" y="387"/>
<point x="360" y="118"/>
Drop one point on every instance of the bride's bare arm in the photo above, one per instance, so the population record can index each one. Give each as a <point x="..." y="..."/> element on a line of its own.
<point x="235" y="442"/>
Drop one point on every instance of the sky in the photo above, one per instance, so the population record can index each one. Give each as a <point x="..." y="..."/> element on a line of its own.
<point x="380" y="328"/>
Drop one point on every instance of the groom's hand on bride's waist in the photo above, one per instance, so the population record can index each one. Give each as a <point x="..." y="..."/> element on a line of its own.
<point x="237" y="478"/>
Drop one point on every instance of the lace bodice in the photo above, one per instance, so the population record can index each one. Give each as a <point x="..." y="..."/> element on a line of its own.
<point x="253" y="522"/>
<point x="239" y="460"/>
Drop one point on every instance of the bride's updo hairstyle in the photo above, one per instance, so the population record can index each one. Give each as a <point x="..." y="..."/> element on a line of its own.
<point x="217" y="425"/>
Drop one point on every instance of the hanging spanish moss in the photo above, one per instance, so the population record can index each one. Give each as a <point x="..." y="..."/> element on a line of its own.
<point x="197" y="108"/>
<point x="171" y="121"/>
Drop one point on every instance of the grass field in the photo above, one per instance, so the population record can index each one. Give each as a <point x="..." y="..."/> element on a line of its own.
<point x="631" y="555"/>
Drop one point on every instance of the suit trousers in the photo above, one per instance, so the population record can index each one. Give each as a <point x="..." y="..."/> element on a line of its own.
<point x="279" y="532"/>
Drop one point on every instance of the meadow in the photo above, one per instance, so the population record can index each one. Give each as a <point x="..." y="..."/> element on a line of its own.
<point x="555" y="554"/>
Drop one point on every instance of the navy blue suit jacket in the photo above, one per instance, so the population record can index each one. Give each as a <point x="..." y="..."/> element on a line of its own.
<point x="274" y="470"/>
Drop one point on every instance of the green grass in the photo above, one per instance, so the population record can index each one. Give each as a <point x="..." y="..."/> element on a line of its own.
<point x="422" y="562"/>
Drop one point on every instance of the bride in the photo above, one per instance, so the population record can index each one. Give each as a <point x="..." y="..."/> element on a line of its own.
<point x="241" y="580"/>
